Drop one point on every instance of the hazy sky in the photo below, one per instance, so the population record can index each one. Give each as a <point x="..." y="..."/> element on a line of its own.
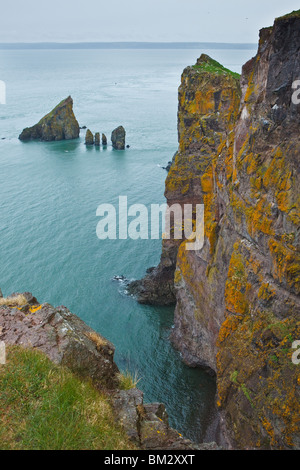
<point x="138" y="20"/>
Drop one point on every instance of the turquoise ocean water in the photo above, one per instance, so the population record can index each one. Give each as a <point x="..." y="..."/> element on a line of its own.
<point x="49" y="193"/>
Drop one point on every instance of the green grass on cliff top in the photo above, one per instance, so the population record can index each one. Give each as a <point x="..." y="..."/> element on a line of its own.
<point x="207" y="64"/>
<point x="45" y="407"/>
<point x="295" y="13"/>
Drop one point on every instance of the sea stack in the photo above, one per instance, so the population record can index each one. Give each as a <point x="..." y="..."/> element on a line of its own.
<point x="118" y="138"/>
<point x="89" y="138"/>
<point x="97" y="139"/>
<point x="104" y="140"/>
<point x="59" y="124"/>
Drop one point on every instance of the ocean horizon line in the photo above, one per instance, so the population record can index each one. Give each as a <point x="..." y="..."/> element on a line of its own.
<point x="125" y="45"/>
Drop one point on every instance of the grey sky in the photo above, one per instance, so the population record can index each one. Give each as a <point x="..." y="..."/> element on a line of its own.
<point x="138" y="20"/>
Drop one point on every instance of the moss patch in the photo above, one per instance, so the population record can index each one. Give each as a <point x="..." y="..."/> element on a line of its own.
<point x="207" y="64"/>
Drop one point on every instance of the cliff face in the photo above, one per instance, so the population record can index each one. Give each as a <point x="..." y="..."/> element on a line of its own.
<point x="59" y="124"/>
<point x="209" y="98"/>
<point x="237" y="309"/>
<point x="257" y="382"/>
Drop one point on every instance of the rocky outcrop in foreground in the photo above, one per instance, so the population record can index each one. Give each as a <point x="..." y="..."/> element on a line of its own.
<point x="68" y="341"/>
<point x="59" y="124"/>
<point x="238" y="298"/>
<point x="118" y="138"/>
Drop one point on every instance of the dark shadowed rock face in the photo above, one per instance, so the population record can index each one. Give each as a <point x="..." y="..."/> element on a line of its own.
<point x="59" y="124"/>
<point x="104" y="140"/>
<point x="118" y="138"/>
<point x="157" y="287"/>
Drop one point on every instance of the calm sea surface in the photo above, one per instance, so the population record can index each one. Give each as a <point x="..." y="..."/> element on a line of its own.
<point x="49" y="194"/>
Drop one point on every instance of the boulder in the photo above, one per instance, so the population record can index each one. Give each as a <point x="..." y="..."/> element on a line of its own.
<point x="89" y="138"/>
<point x="59" y="124"/>
<point x="118" y="138"/>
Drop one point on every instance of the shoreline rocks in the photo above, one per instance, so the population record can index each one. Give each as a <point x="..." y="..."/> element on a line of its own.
<point x="59" y="124"/>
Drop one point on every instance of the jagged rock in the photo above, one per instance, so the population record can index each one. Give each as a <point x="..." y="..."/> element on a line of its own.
<point x="125" y="404"/>
<point x="59" y="124"/>
<point x="168" y="167"/>
<point x="63" y="337"/>
<point x="1" y="295"/>
<point x="118" y="138"/>
<point x="104" y="140"/>
<point x="97" y="139"/>
<point x="89" y="138"/>
<point x="147" y="424"/>
<point x="156" y="288"/>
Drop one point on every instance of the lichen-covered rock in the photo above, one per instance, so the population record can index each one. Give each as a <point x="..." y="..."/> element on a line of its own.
<point x="59" y="124"/>
<point x="118" y="137"/>
<point x="104" y="140"/>
<point x="238" y="300"/>
<point x="97" y="139"/>
<point x="89" y="138"/>
<point x="258" y="385"/>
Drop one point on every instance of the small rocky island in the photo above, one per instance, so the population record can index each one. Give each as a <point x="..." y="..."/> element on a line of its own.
<point x="59" y="124"/>
<point x="118" y="138"/>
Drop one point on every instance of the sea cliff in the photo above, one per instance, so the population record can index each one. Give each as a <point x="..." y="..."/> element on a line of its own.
<point x="237" y="299"/>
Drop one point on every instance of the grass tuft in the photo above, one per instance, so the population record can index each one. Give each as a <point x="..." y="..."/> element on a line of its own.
<point x="18" y="301"/>
<point x="127" y="380"/>
<point x="97" y="339"/>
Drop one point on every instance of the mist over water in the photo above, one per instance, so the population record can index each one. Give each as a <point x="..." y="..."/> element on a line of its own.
<point x="49" y="194"/>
